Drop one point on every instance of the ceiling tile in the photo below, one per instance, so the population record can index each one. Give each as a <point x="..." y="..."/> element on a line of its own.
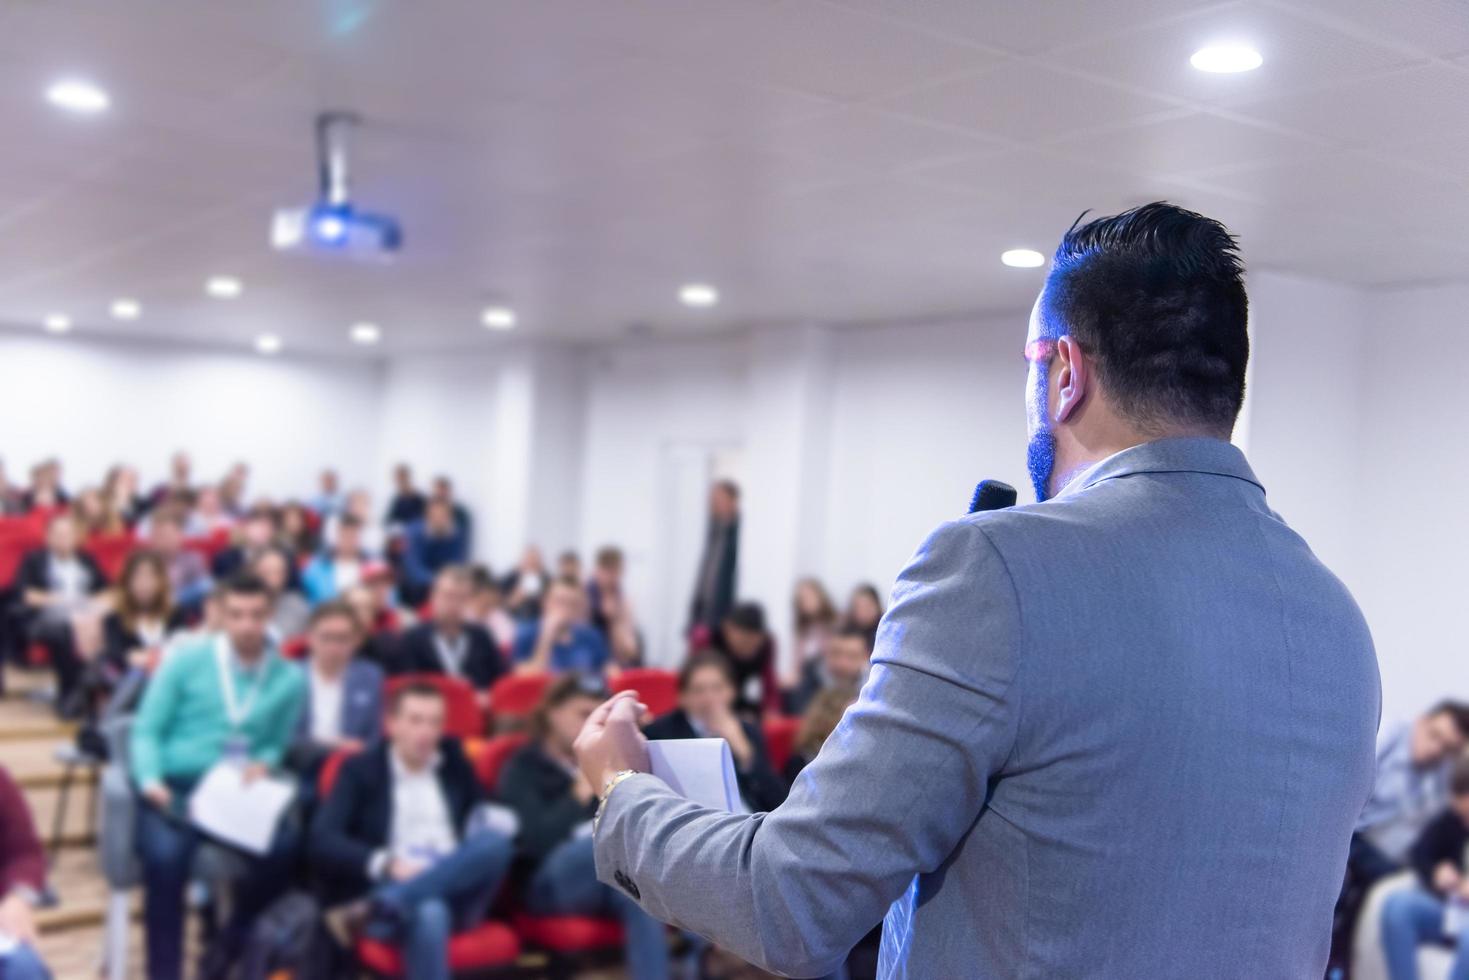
<point x="1435" y="27"/>
<point x="1192" y="144"/>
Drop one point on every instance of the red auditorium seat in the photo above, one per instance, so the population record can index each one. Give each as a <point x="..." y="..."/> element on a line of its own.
<point x="110" y="552"/>
<point x="295" y="647"/>
<point x="780" y="738"/>
<point x="490" y="755"/>
<point x="462" y="716"/>
<point x="658" y="689"/>
<point x="18" y="535"/>
<point x="210" y="544"/>
<point x="327" y="778"/>
<point x="515" y="696"/>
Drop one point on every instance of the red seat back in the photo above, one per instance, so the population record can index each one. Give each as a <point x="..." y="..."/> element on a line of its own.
<point x="658" y="689"/>
<point x="462" y="717"/>
<point x="780" y="739"/>
<point x="295" y="647"/>
<point x="18" y="535"/>
<point x="490" y="755"/>
<point x="110" y="552"/>
<point x="327" y="778"/>
<point x="515" y="696"/>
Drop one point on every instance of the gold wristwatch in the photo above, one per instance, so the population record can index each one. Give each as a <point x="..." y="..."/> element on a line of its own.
<point x="607" y="789"/>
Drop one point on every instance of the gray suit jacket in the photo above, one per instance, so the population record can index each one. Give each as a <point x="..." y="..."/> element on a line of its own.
<point x="362" y="702"/>
<point x="1124" y="733"/>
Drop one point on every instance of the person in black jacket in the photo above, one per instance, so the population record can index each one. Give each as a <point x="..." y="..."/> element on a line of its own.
<point x="714" y="587"/>
<point x="706" y="709"/>
<point x="391" y="839"/>
<point x="449" y="643"/>
<point x="1438" y="906"/>
<point x="555" y="804"/>
<point x="55" y="583"/>
<point x="142" y="617"/>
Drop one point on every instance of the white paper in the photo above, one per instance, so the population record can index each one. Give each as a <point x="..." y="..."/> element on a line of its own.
<point x="245" y="816"/>
<point x="698" y="769"/>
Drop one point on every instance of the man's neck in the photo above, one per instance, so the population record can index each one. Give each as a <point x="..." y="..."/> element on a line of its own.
<point x="329" y="672"/>
<point x="410" y="765"/>
<point x="450" y="630"/>
<point x="248" y="658"/>
<point x="560" y="753"/>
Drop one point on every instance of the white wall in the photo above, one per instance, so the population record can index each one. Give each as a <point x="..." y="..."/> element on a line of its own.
<point x="95" y="403"/>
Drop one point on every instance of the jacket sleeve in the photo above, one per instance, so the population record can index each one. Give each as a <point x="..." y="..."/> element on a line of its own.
<point x="334" y="851"/>
<point x="1435" y="845"/>
<point x="894" y="790"/>
<point x="759" y="784"/>
<point x="155" y="715"/>
<point x="544" y="822"/>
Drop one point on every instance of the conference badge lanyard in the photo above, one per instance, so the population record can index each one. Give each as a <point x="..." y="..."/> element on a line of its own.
<point x="236" y="743"/>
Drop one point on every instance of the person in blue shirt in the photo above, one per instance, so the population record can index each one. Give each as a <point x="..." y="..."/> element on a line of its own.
<point x="561" y="640"/>
<point x="430" y="545"/>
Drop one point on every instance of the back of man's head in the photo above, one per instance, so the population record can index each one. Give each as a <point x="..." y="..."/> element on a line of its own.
<point x="1156" y="297"/>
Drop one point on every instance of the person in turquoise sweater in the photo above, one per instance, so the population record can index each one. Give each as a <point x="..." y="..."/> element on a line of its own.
<point x="228" y="695"/>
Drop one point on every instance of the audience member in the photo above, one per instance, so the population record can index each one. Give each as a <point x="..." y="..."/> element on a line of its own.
<point x="344" y="694"/>
<point x="120" y="491"/>
<point x="487" y="607"/>
<point x="392" y="839"/>
<point x="228" y="698"/>
<point x="338" y="567"/>
<point x="380" y="624"/>
<point x="259" y="531"/>
<point x="188" y="575"/>
<point x="568" y="565"/>
<point x="714" y="586"/>
<point x="842" y="666"/>
<point x="232" y="490"/>
<point x="211" y="514"/>
<point x="328" y="500"/>
<point x="358" y="504"/>
<point x="815" y="619"/>
<point x="562" y="639"/>
<point x="749" y="649"/>
<point x="1417" y="916"/>
<point x="442" y="490"/>
<point x="612" y="613"/>
<point x="299" y="530"/>
<point x="56" y="583"/>
<point x="290" y="610"/>
<point x="429" y="545"/>
<point x="45" y="492"/>
<point x="864" y="611"/>
<point x="706" y="709"/>
<point x="11" y="501"/>
<point x="142" y="617"/>
<point x="449" y="643"/>
<point x="819" y="720"/>
<point x="96" y="516"/>
<point x="22" y="880"/>
<point x="555" y="804"/>
<point x="179" y="483"/>
<point x="408" y="503"/>
<point x="525" y="586"/>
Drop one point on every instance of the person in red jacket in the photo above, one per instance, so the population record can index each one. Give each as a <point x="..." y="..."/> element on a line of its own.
<point x="22" y="876"/>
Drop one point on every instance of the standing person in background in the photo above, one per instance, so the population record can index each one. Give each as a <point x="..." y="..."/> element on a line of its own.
<point x="864" y="611"/>
<point x="714" y="586"/>
<point x="338" y="568"/>
<point x="430" y="545"/>
<point x="525" y="586"/>
<point x="612" y="613"/>
<point x="561" y="640"/>
<point x="328" y="499"/>
<point x="228" y="696"/>
<point x="555" y="804"/>
<point x="22" y="880"/>
<point x="408" y="502"/>
<point x="1416" y="916"/>
<point x="56" y="583"/>
<point x="744" y="642"/>
<point x="815" y="619"/>
<point x="449" y="643"/>
<point x="706" y="709"/>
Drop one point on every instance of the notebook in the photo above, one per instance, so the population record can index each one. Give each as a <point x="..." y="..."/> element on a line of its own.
<point x="699" y="769"/>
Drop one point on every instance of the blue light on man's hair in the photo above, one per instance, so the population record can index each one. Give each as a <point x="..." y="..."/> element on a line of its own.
<point x="329" y="228"/>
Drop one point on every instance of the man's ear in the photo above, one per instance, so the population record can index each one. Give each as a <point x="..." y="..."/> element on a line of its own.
<point x="1072" y="380"/>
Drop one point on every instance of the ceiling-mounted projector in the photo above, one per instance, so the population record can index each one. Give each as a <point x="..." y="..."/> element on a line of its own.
<point x="332" y="226"/>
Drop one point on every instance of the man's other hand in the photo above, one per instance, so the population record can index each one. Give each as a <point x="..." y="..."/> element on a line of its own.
<point x="612" y="739"/>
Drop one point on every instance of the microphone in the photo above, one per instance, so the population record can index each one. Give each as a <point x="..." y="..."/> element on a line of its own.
<point x="992" y="495"/>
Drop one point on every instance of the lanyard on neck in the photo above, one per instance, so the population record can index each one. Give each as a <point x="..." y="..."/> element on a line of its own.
<point x="234" y="709"/>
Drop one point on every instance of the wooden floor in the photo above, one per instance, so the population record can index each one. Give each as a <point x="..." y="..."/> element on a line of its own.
<point x="71" y="931"/>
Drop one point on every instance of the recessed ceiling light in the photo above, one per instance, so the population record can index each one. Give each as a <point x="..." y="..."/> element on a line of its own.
<point x="698" y="294"/>
<point x="268" y="343"/>
<point x="224" y="287"/>
<point x="57" y="322"/>
<point x="1226" y="58"/>
<point x="498" y="317"/>
<point x="1022" y="258"/>
<point x="75" y="95"/>
<point x="366" y="333"/>
<point x="126" y="309"/>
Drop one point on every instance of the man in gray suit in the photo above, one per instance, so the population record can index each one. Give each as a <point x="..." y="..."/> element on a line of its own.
<point x="1123" y="732"/>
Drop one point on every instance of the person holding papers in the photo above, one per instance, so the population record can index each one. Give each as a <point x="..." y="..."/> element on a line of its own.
<point x="555" y="804"/>
<point x="449" y="643"/>
<point x="390" y="843"/>
<point x="229" y="698"/>
<point x="706" y="709"/>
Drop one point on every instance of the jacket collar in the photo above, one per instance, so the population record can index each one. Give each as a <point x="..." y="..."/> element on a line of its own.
<point x="1194" y="455"/>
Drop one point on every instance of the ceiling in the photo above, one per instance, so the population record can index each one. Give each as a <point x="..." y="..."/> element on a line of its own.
<point x="816" y="160"/>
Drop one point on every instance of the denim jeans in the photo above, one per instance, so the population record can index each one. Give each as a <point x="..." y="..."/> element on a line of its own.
<point x="166" y="847"/>
<point x="1411" y="918"/>
<point x="566" y="884"/>
<point x="422" y="912"/>
<point x="23" y="963"/>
